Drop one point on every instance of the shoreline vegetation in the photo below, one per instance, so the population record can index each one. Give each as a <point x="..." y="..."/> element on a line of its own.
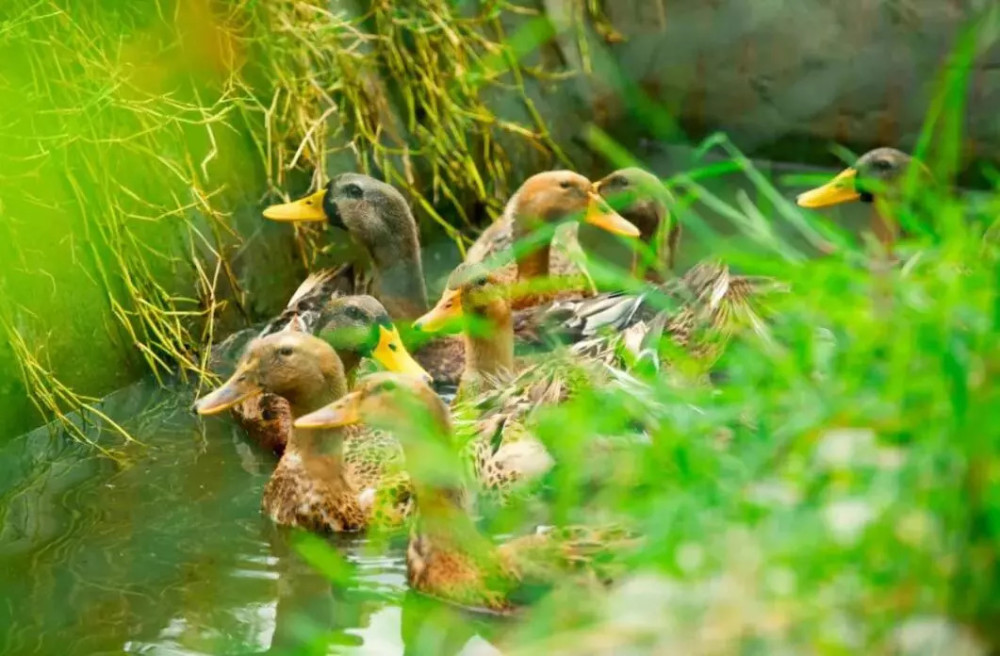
<point x="160" y="131"/>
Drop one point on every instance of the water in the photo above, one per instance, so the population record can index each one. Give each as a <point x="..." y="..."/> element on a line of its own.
<point x="169" y="554"/>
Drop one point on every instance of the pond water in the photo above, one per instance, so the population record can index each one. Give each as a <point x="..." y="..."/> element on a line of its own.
<point x="170" y="555"/>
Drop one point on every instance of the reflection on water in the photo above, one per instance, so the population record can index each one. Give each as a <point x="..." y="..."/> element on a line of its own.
<point x="170" y="555"/>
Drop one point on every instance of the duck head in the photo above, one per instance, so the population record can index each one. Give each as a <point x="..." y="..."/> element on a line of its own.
<point x="876" y="176"/>
<point x="472" y="291"/>
<point x="296" y="366"/>
<point x="409" y="409"/>
<point x="642" y="199"/>
<point x="378" y="218"/>
<point x="359" y="327"/>
<point x="554" y="196"/>
<point x="550" y="198"/>
<point x="638" y="196"/>
<point x="877" y="173"/>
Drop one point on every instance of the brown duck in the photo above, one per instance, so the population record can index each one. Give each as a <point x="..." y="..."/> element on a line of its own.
<point x="358" y="327"/>
<point x="447" y="557"/>
<point x="328" y="479"/>
<point x="519" y="245"/>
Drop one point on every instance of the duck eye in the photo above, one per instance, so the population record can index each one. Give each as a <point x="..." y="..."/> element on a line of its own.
<point x="564" y="184"/>
<point x="393" y="347"/>
<point x="285" y="351"/>
<point x="352" y="190"/>
<point x="354" y="312"/>
<point x="881" y="165"/>
<point x="481" y="282"/>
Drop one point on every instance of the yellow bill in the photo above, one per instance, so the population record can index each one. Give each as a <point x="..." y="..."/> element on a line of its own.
<point x="237" y="388"/>
<point x="839" y="190"/>
<point x="391" y="354"/>
<point x="449" y="308"/>
<point x="309" y="208"/>
<point x="600" y="214"/>
<point x="345" y="412"/>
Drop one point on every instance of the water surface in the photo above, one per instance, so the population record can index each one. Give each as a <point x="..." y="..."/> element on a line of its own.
<point x="170" y="555"/>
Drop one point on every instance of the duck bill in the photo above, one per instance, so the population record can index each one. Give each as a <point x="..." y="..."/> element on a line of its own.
<point x="391" y="354"/>
<point x="449" y="308"/>
<point x="345" y="412"/>
<point x="600" y="214"/>
<point x="839" y="190"/>
<point x="232" y="392"/>
<point x="309" y="208"/>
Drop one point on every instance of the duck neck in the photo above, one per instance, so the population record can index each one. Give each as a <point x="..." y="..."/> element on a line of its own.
<point x="443" y="513"/>
<point x="492" y="353"/>
<point x="534" y="261"/>
<point x="317" y="442"/>
<point x="351" y="359"/>
<point x="440" y="489"/>
<point x="399" y="280"/>
<point x="312" y="443"/>
<point x="883" y="226"/>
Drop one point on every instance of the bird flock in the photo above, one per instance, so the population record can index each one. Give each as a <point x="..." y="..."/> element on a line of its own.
<point x="344" y="385"/>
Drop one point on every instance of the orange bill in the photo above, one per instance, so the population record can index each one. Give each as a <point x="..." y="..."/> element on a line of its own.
<point x="449" y="308"/>
<point x="391" y="354"/>
<point x="236" y="389"/>
<point x="600" y="214"/>
<point x="309" y="208"/>
<point x="344" y="412"/>
<point x="839" y="190"/>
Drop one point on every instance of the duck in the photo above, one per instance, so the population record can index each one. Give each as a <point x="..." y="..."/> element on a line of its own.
<point x="447" y="557"/>
<point x="696" y="311"/>
<point x="378" y="219"/>
<point x="476" y="296"/>
<point x="877" y="175"/>
<point x="328" y="480"/>
<point x="519" y="244"/>
<point x="500" y="390"/>
<point x="642" y="199"/>
<point x="500" y="451"/>
<point x="357" y="326"/>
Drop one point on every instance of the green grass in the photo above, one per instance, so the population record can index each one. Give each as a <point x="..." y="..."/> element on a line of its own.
<point x="134" y="136"/>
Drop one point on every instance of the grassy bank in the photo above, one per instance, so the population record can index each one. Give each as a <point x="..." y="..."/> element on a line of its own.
<point x="138" y="141"/>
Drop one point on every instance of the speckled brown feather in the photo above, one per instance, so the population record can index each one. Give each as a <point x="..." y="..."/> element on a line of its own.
<point x="441" y="569"/>
<point x="313" y="494"/>
<point x="443" y="359"/>
<point x="322" y="493"/>
<point x="469" y="572"/>
<point x="267" y="419"/>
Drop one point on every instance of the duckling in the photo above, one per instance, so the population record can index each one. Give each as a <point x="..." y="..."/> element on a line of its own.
<point x="379" y="220"/>
<point x="645" y="202"/>
<point x="447" y="557"/>
<point x="327" y="480"/>
<point x="876" y="176"/>
<point x="356" y="326"/>
<point x="544" y="200"/>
